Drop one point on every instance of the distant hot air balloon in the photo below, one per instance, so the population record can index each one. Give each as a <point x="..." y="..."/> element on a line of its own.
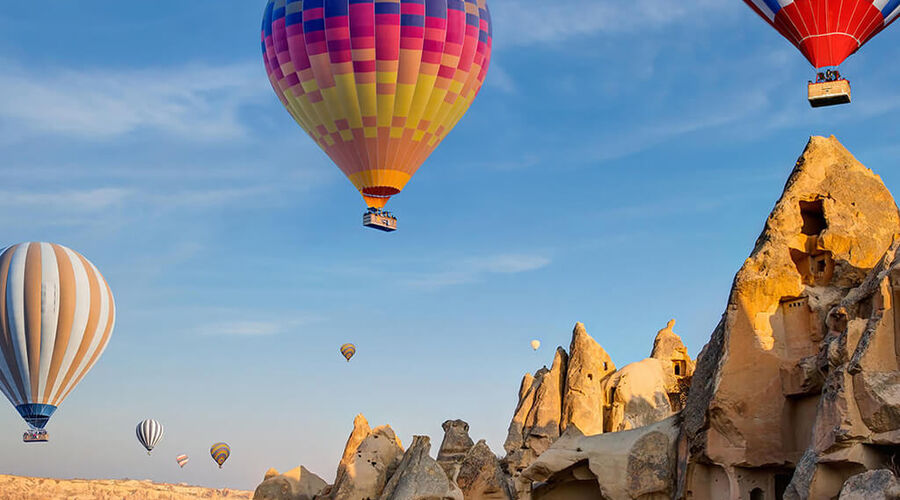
<point x="219" y="453"/>
<point x="56" y="317"/>
<point x="149" y="432"/>
<point x="535" y="344"/>
<point x="348" y="350"/>
<point x="377" y="84"/>
<point x="182" y="460"/>
<point x="827" y="32"/>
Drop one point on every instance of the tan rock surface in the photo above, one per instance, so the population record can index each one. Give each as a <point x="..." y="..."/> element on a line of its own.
<point x="584" y="397"/>
<point x="419" y="477"/>
<point x="36" y="488"/>
<point x="760" y="412"/>
<point x="624" y="465"/>
<point x="639" y="395"/>
<point x="295" y="484"/>
<point x="480" y="477"/>
<point x="369" y="460"/>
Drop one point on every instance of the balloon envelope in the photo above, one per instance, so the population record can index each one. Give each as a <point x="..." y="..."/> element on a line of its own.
<point x="56" y="318"/>
<point x="182" y="460"/>
<point x="827" y="31"/>
<point x="220" y="453"/>
<point x="348" y="350"/>
<point x="535" y="344"/>
<point x="149" y="432"/>
<point x="377" y="84"/>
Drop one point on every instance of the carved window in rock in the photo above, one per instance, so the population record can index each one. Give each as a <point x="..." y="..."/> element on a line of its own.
<point x="680" y="367"/>
<point x="757" y="494"/>
<point x="813" y="215"/>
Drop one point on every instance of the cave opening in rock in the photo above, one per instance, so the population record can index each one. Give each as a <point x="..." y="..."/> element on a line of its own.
<point x="813" y="215"/>
<point x="757" y="494"/>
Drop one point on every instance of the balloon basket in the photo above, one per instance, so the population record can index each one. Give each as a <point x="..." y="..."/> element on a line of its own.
<point x="35" y="436"/>
<point x="380" y="220"/>
<point x="829" y="93"/>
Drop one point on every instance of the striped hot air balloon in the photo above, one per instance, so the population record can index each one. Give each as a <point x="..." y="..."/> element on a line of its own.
<point x="182" y="460"/>
<point x="149" y="432"/>
<point x="56" y="318"/>
<point x="219" y="453"/>
<point x="377" y="84"/>
<point x="348" y="350"/>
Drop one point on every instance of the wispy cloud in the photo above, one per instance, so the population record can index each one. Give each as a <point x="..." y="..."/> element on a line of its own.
<point x="196" y="103"/>
<point x="475" y="269"/>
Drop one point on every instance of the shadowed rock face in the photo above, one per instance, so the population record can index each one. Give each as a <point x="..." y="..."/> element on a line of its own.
<point x="295" y="484"/>
<point x="454" y="447"/>
<point x="480" y="477"/>
<point x="419" y="477"/>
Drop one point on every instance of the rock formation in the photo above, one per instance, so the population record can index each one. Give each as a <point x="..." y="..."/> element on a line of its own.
<point x="878" y="484"/>
<point x="480" y="477"/>
<point x="585" y="398"/>
<point x="369" y="460"/>
<point x="796" y="392"/>
<point x="419" y="477"/>
<point x="781" y="392"/>
<point x="455" y="445"/>
<point x="594" y="396"/>
<point x="295" y="484"/>
<point x="638" y="463"/>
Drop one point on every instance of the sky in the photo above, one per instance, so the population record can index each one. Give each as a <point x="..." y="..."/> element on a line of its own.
<point x="615" y="169"/>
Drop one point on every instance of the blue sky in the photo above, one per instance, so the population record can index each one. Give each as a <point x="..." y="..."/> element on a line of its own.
<point x="615" y="169"/>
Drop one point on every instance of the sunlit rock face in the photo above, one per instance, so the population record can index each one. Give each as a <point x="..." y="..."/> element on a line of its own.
<point x="583" y="393"/>
<point x="369" y="460"/>
<point x="776" y="393"/>
<point x="797" y="391"/>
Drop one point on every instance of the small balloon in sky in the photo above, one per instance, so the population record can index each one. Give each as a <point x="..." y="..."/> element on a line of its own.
<point x="535" y="344"/>
<point x="220" y="453"/>
<point x="348" y="350"/>
<point x="182" y="460"/>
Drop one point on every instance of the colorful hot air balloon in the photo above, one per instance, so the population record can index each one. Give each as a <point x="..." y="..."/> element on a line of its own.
<point x="182" y="460"/>
<point x="827" y="32"/>
<point x="348" y="350"/>
<point x="149" y="432"/>
<point x="377" y="84"/>
<point x="219" y="453"/>
<point x="535" y="344"/>
<point x="56" y="317"/>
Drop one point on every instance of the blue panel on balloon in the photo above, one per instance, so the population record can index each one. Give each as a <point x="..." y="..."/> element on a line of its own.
<point x="36" y="415"/>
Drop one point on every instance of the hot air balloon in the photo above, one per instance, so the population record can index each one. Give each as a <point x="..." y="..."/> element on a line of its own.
<point x="348" y="350"/>
<point x="377" y="84"/>
<point x="149" y="432"/>
<point x="219" y="453"/>
<point x="535" y="344"/>
<point x="182" y="460"/>
<point x="827" y="32"/>
<point x="56" y="317"/>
